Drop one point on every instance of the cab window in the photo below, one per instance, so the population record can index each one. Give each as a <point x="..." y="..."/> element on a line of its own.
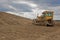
<point x="49" y="14"/>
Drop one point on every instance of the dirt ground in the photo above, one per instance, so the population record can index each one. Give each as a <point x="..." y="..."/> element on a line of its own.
<point x="18" y="28"/>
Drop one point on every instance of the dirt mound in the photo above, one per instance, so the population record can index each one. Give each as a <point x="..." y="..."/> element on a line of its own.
<point x="18" y="28"/>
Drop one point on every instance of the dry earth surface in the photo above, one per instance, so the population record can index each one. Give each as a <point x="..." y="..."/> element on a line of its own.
<point x="18" y="28"/>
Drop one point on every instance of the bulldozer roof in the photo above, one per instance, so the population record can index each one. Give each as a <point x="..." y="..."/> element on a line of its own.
<point x="47" y="11"/>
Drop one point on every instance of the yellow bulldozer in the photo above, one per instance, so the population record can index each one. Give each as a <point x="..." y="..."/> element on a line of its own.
<point x="45" y="19"/>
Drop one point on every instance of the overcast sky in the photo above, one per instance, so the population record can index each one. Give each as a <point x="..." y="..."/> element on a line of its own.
<point x="30" y="6"/>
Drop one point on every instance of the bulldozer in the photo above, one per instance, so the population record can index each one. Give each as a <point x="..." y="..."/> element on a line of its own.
<point x="45" y="19"/>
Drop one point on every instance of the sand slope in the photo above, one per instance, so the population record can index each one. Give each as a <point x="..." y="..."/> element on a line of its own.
<point x="18" y="28"/>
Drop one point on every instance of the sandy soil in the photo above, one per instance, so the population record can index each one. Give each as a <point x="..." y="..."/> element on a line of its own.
<point x="18" y="28"/>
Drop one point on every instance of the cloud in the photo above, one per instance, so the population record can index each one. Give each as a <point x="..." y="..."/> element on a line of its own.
<point x="27" y="3"/>
<point x="12" y="7"/>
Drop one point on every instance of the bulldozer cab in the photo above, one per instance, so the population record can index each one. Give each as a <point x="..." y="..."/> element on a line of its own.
<point x="47" y="15"/>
